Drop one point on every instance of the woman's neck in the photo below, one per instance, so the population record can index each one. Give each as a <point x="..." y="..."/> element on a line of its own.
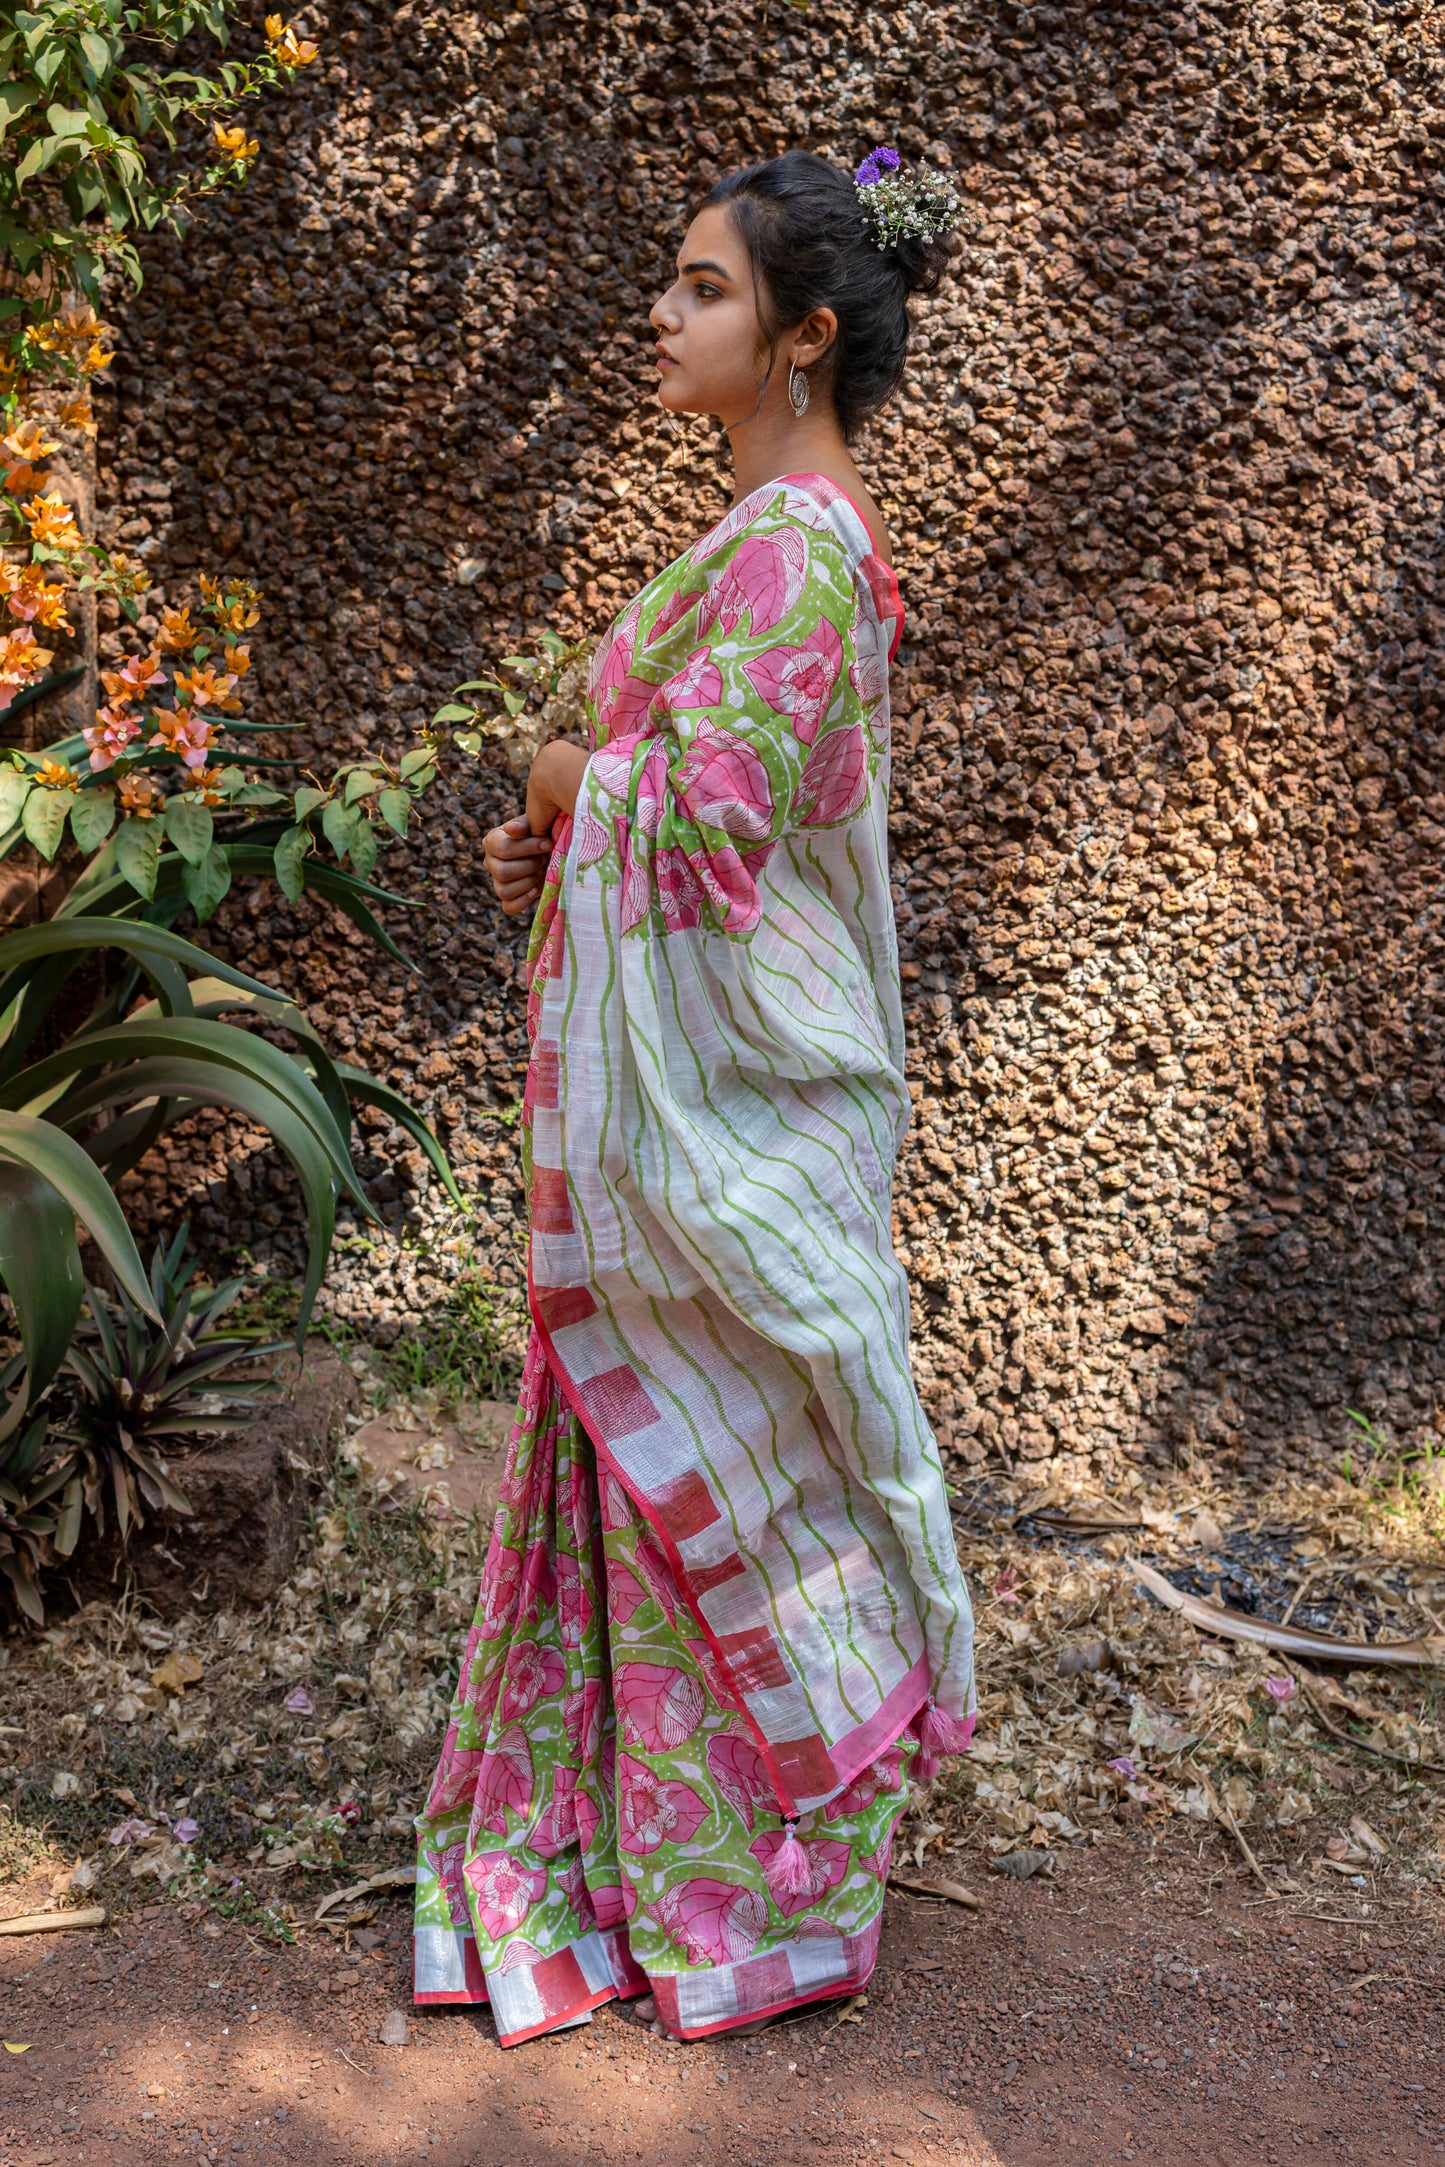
<point x="774" y="443"/>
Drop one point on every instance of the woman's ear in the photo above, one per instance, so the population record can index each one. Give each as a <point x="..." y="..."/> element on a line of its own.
<point x="814" y="337"/>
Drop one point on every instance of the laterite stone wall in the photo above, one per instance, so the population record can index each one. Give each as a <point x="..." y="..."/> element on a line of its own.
<point x="1167" y="491"/>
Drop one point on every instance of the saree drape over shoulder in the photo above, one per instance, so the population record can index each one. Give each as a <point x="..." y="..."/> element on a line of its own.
<point x="751" y="1581"/>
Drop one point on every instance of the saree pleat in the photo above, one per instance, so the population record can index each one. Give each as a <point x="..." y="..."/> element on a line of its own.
<point x="600" y="1823"/>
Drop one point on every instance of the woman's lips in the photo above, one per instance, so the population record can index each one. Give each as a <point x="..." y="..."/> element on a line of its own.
<point x="664" y="359"/>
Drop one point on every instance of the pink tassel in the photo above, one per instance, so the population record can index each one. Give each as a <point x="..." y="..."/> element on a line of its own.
<point x="925" y="1767"/>
<point x="935" y="1732"/>
<point x="789" y="1874"/>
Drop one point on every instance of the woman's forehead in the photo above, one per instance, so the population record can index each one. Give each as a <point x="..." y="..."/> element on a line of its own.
<point x="712" y="241"/>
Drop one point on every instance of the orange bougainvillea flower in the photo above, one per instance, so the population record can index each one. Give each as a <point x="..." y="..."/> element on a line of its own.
<point x="52" y="522"/>
<point x="77" y="412"/>
<point x="55" y="775"/>
<point x="134" y="678"/>
<point x="21" y="662"/>
<point x="201" y="687"/>
<point x="238" y="659"/>
<point x="205" y="781"/>
<point x="288" y="49"/>
<point x="233" y="143"/>
<point x="108" y="738"/>
<point x="183" y="733"/>
<point x="31" y="598"/>
<point x="137" y="796"/>
<point x="28" y="441"/>
<point x="177" y="631"/>
<point x="127" y="573"/>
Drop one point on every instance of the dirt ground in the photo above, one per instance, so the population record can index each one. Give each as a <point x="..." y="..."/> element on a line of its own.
<point x="1140" y="2005"/>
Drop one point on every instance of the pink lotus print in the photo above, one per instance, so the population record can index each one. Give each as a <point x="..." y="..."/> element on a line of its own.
<point x="504" y="1782"/>
<point x="760" y="582"/>
<point x="539" y="1584"/>
<point x="650" y="1812"/>
<point x="697" y="684"/>
<point x="884" y="1774"/>
<point x="500" y="1585"/>
<point x="447" y="1866"/>
<point x="835" y="780"/>
<point x="736" y="1767"/>
<point x="827" y="1864"/>
<point x="680" y="895"/>
<point x="570" y="1817"/>
<point x="673" y="611"/>
<point x="657" y="1573"/>
<point x="616" y="1505"/>
<point x="800" y="681"/>
<point x="532" y="1674"/>
<point x="504" y="1891"/>
<point x="721" y="783"/>
<point x="455" y="1776"/>
<point x="658" y="1706"/>
<point x="712" y="1922"/>
<point x="582" y="1720"/>
<point x="625" y="1593"/>
<point x="572" y="1881"/>
<point x="574" y="1605"/>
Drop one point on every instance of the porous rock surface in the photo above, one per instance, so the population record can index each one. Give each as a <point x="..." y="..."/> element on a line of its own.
<point x="1166" y="489"/>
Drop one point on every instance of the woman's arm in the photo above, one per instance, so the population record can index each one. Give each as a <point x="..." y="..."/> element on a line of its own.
<point x="516" y="853"/>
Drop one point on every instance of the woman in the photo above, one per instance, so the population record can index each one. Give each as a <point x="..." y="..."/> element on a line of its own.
<point x="722" y="1620"/>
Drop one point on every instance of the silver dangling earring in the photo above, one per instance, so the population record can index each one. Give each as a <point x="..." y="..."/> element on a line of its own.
<point x="798" y="389"/>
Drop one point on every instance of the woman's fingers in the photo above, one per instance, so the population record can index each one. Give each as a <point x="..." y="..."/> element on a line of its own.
<point x="516" y="861"/>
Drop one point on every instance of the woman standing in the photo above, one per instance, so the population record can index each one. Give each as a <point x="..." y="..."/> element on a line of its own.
<point x="722" y="1619"/>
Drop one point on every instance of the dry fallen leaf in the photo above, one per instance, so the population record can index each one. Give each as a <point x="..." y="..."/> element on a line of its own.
<point x="12" y="2046"/>
<point x="954" y="1891"/>
<point x="177" y="1672"/>
<point x="1365" y="1837"/>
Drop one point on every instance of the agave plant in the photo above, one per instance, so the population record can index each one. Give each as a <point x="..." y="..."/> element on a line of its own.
<point x="75" y="1121"/>
<point x="26" y="1526"/>
<point x="138" y="1382"/>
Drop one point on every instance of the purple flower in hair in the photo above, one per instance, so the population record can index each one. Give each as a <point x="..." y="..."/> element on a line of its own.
<point x="867" y="173"/>
<point x="887" y="156"/>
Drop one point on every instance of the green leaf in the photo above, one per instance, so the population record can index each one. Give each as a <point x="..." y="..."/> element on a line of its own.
<point x="468" y="741"/>
<point x="289" y="857"/>
<point x="338" y="825"/>
<point x="137" y="848"/>
<point x="43" y="819"/>
<point x="307" y="801"/>
<point x="97" y="53"/>
<point x="59" y="1159"/>
<point x="360" y="783"/>
<point x="414" y="761"/>
<point x="208" y="883"/>
<point x="189" y="826"/>
<point x="92" y="816"/>
<point x="453" y="712"/>
<point x="368" y="1091"/>
<point x="363" y="847"/>
<point x="15" y="788"/>
<point x="514" y="702"/>
<point x="40" y="1268"/>
<point x="394" y="806"/>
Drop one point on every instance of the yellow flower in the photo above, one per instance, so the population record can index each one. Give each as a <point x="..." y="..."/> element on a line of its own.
<point x="55" y="775"/>
<point x="77" y="412"/>
<point x="177" y="631"/>
<point x="96" y="358"/>
<point x="137" y="797"/>
<point x="289" y="50"/>
<point x="233" y="143"/>
<point x="51" y="521"/>
<point x="128" y="573"/>
<point x="238" y="659"/>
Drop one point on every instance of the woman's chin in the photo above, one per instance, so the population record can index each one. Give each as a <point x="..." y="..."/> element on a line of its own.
<point x="675" y="395"/>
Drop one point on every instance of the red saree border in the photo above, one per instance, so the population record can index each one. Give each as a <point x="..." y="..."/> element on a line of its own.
<point x="849" y="498"/>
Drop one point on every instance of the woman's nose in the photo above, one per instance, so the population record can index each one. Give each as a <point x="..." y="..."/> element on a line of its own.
<point x="663" y="315"/>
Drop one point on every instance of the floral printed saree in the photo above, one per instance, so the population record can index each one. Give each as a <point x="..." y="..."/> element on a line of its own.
<point x="722" y="1617"/>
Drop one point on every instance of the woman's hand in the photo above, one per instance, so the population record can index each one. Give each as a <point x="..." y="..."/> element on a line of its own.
<point x="553" y="784"/>
<point x="516" y="862"/>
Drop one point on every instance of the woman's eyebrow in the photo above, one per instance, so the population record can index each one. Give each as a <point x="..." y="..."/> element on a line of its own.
<point x="716" y="268"/>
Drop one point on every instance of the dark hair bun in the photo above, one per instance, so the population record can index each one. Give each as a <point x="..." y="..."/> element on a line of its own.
<point x="811" y="246"/>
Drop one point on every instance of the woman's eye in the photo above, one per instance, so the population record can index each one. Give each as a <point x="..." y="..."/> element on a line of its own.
<point x="708" y="293"/>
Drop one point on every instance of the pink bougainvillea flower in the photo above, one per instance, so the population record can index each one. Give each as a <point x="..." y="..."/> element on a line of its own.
<point x="1123" y="1765"/>
<point x="185" y="1830"/>
<point x="736" y="1767"/>
<point x="532" y="1674"/>
<point x="658" y="1706"/>
<point x="651" y="1812"/>
<point x="760" y="582"/>
<point x="835" y="780"/>
<point x="132" y="1831"/>
<point x="800" y="681"/>
<point x="722" y="783"/>
<point x="1280" y="1689"/>
<point x="1006" y="1587"/>
<point x="298" y="1702"/>
<point x="827" y="1864"/>
<point x="712" y="1922"/>
<point x="107" y="738"/>
<point x="504" y="1891"/>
